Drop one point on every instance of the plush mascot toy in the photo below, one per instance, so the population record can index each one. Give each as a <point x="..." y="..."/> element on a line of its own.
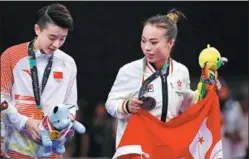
<point x="54" y="130"/>
<point x="210" y="61"/>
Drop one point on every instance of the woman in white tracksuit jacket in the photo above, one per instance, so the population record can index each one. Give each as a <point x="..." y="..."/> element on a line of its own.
<point x="171" y="90"/>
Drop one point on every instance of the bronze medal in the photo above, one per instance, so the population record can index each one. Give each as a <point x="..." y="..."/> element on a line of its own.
<point x="149" y="103"/>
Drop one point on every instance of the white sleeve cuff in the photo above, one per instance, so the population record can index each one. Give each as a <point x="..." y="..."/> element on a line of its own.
<point x="16" y="119"/>
<point x="122" y="109"/>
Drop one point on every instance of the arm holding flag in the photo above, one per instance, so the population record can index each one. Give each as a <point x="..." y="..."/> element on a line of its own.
<point x="210" y="61"/>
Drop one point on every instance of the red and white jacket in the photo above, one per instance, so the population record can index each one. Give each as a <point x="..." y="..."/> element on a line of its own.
<point x="16" y="88"/>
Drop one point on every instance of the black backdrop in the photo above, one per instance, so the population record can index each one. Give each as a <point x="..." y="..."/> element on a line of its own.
<point x="107" y="35"/>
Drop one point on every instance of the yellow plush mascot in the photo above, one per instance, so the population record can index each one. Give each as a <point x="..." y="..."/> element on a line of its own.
<point x="210" y="61"/>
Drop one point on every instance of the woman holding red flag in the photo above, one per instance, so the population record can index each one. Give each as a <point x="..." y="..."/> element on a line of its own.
<point x="155" y="83"/>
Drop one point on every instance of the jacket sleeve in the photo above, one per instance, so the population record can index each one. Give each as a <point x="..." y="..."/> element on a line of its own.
<point x="14" y="118"/>
<point x="125" y="86"/>
<point x="190" y="96"/>
<point x="72" y="94"/>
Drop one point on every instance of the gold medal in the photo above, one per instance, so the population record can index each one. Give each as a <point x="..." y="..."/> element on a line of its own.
<point x="54" y="135"/>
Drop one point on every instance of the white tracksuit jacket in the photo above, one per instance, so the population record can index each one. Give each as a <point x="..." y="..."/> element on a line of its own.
<point x="178" y="95"/>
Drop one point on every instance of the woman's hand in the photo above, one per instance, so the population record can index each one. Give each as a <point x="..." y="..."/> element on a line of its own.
<point x="218" y="85"/>
<point x="134" y="105"/>
<point x="32" y="128"/>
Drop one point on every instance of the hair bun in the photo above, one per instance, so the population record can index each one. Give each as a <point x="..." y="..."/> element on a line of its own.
<point x="173" y="16"/>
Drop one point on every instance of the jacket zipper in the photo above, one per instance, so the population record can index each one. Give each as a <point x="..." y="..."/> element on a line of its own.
<point x="164" y="97"/>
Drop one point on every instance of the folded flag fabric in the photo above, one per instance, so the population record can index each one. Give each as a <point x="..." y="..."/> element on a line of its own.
<point x="195" y="134"/>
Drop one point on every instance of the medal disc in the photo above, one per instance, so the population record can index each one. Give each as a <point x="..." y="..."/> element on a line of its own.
<point x="54" y="135"/>
<point x="149" y="103"/>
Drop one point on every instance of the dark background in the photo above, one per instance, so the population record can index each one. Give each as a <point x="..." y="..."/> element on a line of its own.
<point x="107" y="35"/>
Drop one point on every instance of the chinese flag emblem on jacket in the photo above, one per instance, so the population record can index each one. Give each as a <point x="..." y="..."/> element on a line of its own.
<point x="195" y="134"/>
<point x="58" y="75"/>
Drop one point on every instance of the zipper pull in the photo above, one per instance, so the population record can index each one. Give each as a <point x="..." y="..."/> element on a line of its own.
<point x="164" y="78"/>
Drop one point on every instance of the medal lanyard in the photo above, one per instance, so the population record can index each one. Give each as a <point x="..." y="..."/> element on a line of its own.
<point x="151" y="78"/>
<point x="34" y="74"/>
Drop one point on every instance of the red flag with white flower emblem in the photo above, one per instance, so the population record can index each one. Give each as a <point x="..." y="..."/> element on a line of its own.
<point x="195" y="134"/>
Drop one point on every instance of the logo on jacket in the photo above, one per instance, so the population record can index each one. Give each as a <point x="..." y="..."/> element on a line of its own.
<point x="179" y="83"/>
<point x="150" y="88"/>
<point x="58" y="76"/>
